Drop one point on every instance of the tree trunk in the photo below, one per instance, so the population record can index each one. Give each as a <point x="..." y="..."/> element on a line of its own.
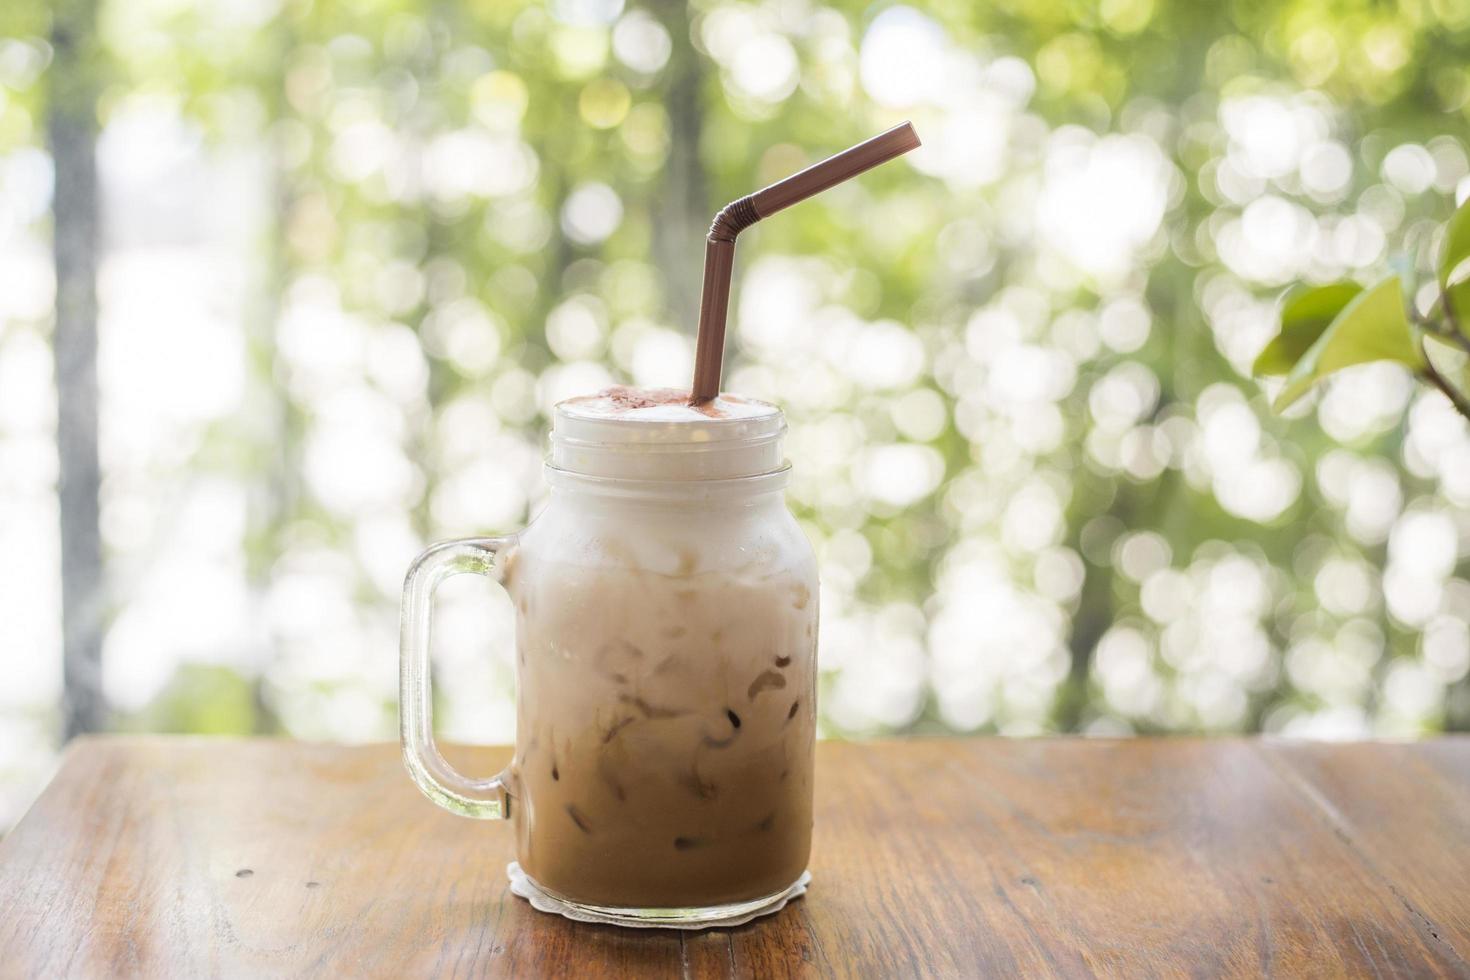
<point x="682" y="211"/>
<point x="274" y="494"/>
<point x="72" y="128"/>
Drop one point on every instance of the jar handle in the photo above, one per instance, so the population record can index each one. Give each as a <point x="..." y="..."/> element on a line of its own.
<point x="482" y="799"/>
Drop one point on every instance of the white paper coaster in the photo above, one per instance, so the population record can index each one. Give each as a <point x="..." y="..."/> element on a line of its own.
<point x="541" y="901"/>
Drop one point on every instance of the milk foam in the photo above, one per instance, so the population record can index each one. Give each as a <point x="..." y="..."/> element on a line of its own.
<point x="662" y="405"/>
<point x="655" y="434"/>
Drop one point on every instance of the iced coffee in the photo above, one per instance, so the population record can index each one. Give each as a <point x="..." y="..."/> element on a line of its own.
<point x="666" y="621"/>
<point x="666" y="632"/>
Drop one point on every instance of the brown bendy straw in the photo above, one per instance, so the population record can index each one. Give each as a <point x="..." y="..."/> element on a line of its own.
<point x="719" y="249"/>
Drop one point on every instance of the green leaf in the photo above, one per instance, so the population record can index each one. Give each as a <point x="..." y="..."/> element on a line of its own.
<point x="1456" y="252"/>
<point x="1456" y="243"/>
<point x="1372" y="327"/>
<point x="1304" y="316"/>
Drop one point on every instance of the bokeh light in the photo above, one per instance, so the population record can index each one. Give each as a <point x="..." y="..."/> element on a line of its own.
<point x="343" y="282"/>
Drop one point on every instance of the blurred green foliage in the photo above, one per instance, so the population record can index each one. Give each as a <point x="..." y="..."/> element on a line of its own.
<point x="1116" y="535"/>
<point x="200" y="699"/>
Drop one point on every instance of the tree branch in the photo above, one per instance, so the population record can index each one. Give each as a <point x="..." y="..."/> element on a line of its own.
<point x="1446" y="329"/>
<point x="1432" y="375"/>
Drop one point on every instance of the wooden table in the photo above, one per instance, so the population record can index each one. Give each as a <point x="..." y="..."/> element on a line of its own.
<point x="160" y="856"/>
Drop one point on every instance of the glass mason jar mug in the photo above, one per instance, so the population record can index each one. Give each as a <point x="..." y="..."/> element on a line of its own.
<point x="666" y="628"/>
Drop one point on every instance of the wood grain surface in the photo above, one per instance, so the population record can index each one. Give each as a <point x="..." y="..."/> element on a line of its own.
<point x="156" y="856"/>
